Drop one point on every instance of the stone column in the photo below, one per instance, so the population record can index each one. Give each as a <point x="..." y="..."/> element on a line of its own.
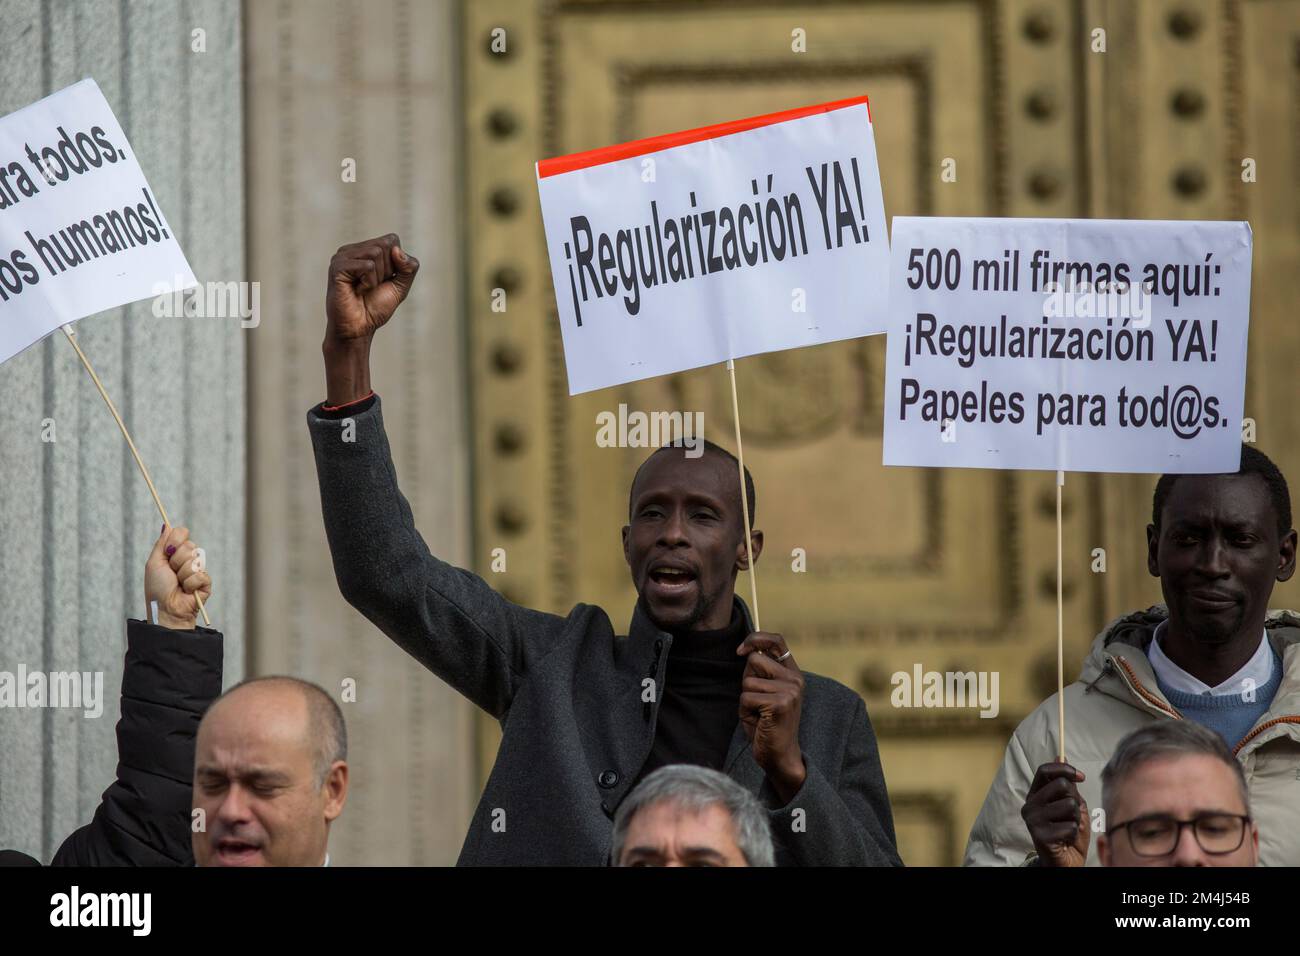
<point x="76" y="518"/>
<point x="354" y="132"/>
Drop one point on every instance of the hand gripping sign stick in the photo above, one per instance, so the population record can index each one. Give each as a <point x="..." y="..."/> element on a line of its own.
<point x="744" y="498"/>
<point x="67" y="330"/>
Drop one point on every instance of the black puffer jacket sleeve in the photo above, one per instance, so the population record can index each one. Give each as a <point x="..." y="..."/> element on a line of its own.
<point x="169" y="680"/>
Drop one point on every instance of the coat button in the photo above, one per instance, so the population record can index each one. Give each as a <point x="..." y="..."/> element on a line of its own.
<point x="608" y="779"/>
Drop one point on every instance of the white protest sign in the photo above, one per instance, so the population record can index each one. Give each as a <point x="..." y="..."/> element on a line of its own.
<point x="1071" y="345"/>
<point x="80" y="230"/>
<point x="692" y="248"/>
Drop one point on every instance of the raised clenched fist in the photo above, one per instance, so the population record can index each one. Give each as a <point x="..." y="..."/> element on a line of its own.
<point x="367" y="282"/>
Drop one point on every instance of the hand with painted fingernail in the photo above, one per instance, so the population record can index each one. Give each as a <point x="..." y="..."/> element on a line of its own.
<point x="175" y="576"/>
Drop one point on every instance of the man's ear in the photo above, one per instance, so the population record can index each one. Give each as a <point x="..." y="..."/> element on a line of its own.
<point x="626" y="557"/>
<point x="1153" y="551"/>
<point x="1286" y="567"/>
<point x="1103" y="849"/>
<point x="336" y="790"/>
<point x="756" y="543"/>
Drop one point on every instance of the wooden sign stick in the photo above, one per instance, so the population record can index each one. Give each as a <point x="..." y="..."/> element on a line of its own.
<point x="1060" y="623"/>
<point x="744" y="498"/>
<point x="67" y="330"/>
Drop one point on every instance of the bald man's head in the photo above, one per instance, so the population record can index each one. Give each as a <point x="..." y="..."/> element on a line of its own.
<point x="270" y="774"/>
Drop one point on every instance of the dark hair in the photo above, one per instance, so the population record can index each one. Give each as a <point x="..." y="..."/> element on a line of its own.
<point x="709" y="447"/>
<point x="1253" y="462"/>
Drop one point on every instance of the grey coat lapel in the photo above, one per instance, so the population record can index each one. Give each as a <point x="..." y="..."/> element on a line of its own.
<point x="740" y="765"/>
<point x="624" y="747"/>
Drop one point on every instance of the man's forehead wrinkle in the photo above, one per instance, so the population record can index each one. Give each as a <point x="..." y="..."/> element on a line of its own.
<point x="700" y="850"/>
<point x="689" y="492"/>
<point x="1222" y="518"/>
<point x="242" y="752"/>
<point x="1173" y="768"/>
<point x="1219" y="517"/>
<point x="224" y="735"/>
<point x="242" y="768"/>
<point x="1223" y="499"/>
<point x="678" y="464"/>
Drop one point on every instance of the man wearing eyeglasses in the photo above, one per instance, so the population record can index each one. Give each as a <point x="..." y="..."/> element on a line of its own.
<point x="1174" y="795"/>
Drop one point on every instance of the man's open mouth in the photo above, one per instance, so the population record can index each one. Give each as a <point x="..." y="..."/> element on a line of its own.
<point x="234" y="852"/>
<point x="670" y="578"/>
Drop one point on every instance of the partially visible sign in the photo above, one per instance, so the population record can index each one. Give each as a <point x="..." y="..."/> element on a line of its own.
<point x="80" y="230"/>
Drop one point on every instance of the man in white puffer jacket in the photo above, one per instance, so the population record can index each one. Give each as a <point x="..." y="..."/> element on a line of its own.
<point x="1216" y="655"/>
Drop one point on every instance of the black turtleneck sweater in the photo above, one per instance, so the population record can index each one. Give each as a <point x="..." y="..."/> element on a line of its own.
<point x="700" y="702"/>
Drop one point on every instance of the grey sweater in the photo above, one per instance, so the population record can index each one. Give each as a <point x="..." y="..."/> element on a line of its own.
<point x="567" y="690"/>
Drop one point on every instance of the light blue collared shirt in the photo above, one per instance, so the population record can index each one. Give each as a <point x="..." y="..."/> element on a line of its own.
<point x="1258" y="670"/>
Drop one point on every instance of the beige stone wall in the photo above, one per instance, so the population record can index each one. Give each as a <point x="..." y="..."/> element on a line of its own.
<point x="328" y="82"/>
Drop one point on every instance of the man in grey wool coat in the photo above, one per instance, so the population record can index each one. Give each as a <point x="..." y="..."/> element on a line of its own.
<point x="585" y="712"/>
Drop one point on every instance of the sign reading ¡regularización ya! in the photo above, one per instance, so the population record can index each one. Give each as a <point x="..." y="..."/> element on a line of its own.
<point x="693" y="248"/>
